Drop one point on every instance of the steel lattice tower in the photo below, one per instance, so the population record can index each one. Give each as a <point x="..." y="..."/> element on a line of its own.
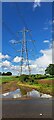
<point x="24" y="49"/>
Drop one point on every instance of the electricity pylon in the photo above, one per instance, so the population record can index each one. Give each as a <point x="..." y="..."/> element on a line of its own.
<point x="24" y="50"/>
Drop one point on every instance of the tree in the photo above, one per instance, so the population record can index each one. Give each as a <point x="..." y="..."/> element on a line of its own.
<point x="8" y="73"/>
<point x="50" y="69"/>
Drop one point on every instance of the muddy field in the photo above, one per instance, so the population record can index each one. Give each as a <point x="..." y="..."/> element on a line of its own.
<point x="44" y="86"/>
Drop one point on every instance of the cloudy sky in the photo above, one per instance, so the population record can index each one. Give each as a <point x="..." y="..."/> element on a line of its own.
<point x="37" y="18"/>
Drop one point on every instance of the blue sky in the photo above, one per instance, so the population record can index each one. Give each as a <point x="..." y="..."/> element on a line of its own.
<point x="38" y="19"/>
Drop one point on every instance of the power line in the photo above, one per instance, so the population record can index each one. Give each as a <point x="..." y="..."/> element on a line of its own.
<point x="8" y="28"/>
<point x="12" y="33"/>
<point x="21" y="16"/>
<point x="25" y="25"/>
<point x="24" y="48"/>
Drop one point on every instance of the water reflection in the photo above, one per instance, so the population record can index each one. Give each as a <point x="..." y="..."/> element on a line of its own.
<point x="45" y="96"/>
<point x="33" y="93"/>
<point x="13" y="94"/>
<point x="17" y="93"/>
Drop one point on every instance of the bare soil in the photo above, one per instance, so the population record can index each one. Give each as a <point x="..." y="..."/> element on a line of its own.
<point x="49" y="82"/>
<point x="10" y="86"/>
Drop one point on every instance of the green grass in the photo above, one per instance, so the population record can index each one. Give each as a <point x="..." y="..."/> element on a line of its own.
<point x="5" y="79"/>
<point x="45" y="88"/>
<point x="48" y="78"/>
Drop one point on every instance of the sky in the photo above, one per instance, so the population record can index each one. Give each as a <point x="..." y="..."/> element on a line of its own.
<point x="38" y="19"/>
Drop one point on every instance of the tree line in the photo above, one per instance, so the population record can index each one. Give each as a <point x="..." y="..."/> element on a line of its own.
<point x="5" y="74"/>
<point x="49" y="70"/>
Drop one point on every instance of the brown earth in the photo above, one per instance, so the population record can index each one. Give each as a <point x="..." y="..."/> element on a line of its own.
<point x="49" y="82"/>
<point x="10" y="86"/>
<point x="13" y="85"/>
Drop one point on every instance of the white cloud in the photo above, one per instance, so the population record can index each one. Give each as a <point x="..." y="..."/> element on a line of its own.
<point x="42" y="62"/>
<point x="46" y="41"/>
<point x="6" y="64"/>
<point x="14" y="67"/>
<point x="3" y="56"/>
<point x="37" y="66"/>
<point x="46" y="58"/>
<point x="17" y="59"/>
<point x="36" y="4"/>
<point x="13" y="41"/>
<point x="5" y="68"/>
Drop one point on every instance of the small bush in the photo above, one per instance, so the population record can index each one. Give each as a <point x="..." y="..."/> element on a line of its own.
<point x="30" y="83"/>
<point x="51" y="76"/>
<point x="17" y="76"/>
<point x="36" y="82"/>
<point x="39" y="76"/>
<point x="24" y="78"/>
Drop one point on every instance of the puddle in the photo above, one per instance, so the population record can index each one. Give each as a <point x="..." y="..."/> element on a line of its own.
<point x="33" y="93"/>
<point x="13" y="94"/>
<point x="46" y="96"/>
<point x="17" y="93"/>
